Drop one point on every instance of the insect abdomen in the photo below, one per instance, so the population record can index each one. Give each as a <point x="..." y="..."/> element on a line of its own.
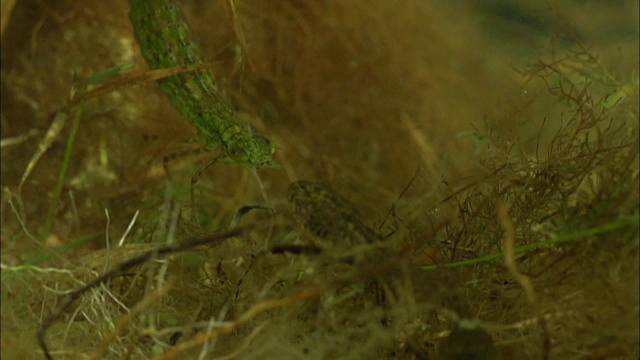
<point x="167" y="40"/>
<point x="328" y="215"/>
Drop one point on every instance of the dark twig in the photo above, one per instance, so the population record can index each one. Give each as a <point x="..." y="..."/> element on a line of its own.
<point x="210" y="239"/>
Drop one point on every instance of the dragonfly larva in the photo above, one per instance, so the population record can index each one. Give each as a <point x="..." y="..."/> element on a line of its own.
<point x="329" y="215"/>
<point x="166" y="40"/>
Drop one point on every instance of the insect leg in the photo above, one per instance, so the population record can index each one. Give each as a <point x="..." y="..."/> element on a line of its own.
<point x="174" y="156"/>
<point x="195" y="179"/>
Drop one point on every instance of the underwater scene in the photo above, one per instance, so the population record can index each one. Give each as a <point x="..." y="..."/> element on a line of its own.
<point x="299" y="179"/>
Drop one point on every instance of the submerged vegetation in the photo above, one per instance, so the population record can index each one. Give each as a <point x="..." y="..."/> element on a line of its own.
<point x="452" y="203"/>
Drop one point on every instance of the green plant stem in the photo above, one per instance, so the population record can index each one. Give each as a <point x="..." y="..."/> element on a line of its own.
<point x="63" y="173"/>
<point x="633" y="221"/>
<point x="55" y="252"/>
